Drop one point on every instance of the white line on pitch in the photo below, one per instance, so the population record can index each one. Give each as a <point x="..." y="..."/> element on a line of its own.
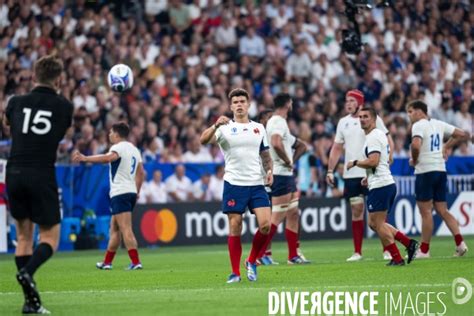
<point x="319" y="288"/>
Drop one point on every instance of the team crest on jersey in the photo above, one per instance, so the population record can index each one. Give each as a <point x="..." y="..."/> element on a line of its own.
<point x="234" y="130"/>
<point x="231" y="203"/>
<point x="256" y="131"/>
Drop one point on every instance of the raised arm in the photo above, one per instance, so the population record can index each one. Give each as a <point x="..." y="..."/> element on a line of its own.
<point x="208" y="135"/>
<point x="105" y="158"/>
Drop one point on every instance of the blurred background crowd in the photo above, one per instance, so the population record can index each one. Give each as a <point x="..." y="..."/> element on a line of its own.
<point x="187" y="55"/>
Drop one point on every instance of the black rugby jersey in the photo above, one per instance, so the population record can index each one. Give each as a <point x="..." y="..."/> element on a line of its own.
<point x="38" y="122"/>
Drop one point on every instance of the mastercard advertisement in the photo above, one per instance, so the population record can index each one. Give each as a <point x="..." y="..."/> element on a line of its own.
<point x="201" y="223"/>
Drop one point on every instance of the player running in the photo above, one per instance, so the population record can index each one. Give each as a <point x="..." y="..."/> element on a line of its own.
<point x="382" y="188"/>
<point x="350" y="137"/>
<point x="126" y="178"/>
<point x="283" y="190"/>
<point x="245" y="147"/>
<point x="428" y="154"/>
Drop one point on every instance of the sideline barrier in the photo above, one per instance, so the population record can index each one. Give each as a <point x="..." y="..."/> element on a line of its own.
<point x="203" y="223"/>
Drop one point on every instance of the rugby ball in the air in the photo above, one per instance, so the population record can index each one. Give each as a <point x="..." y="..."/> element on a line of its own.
<point x="120" y="78"/>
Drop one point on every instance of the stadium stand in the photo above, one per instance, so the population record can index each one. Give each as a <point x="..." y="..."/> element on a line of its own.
<point x="187" y="55"/>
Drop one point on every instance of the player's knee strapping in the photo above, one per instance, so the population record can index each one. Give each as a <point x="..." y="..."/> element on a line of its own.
<point x="294" y="204"/>
<point x="278" y="208"/>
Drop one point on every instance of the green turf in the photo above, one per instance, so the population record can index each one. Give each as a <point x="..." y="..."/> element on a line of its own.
<point x="191" y="280"/>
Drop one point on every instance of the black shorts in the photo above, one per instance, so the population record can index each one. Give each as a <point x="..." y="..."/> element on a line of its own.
<point x="353" y="187"/>
<point x="33" y="194"/>
<point x="283" y="185"/>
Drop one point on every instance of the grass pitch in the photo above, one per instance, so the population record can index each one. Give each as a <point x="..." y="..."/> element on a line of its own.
<point x="191" y="280"/>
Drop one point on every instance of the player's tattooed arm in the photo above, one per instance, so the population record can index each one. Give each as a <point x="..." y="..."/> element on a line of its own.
<point x="267" y="164"/>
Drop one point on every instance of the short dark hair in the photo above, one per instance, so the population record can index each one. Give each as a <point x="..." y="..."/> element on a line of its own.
<point x="239" y="92"/>
<point x="48" y="68"/>
<point x="372" y="112"/>
<point x="262" y="114"/>
<point x="122" y="129"/>
<point x="281" y="99"/>
<point x="418" y="105"/>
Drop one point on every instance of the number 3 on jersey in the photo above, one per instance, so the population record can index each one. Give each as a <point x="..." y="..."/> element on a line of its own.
<point x="41" y="117"/>
<point x="134" y="164"/>
<point x="435" y="142"/>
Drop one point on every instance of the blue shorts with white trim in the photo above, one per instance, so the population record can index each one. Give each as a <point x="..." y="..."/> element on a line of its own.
<point x="237" y="198"/>
<point x="123" y="203"/>
<point x="381" y="199"/>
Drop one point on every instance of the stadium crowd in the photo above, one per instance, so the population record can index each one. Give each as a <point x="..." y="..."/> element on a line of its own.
<point x="187" y="55"/>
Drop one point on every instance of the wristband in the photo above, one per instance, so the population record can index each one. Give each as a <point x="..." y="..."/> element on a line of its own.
<point x="330" y="171"/>
<point x="355" y="163"/>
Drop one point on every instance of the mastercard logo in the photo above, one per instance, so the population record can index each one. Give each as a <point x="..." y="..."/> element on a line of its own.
<point x="159" y="226"/>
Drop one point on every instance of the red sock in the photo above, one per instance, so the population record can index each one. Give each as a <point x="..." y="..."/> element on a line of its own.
<point x="235" y="253"/>
<point x="133" y="254"/>
<point x="424" y="247"/>
<point x="458" y="239"/>
<point x="385" y="249"/>
<point x="268" y="252"/>
<point x="258" y="242"/>
<point x="109" y="257"/>
<point x="292" y="240"/>
<point x="298" y="244"/>
<point x="402" y="238"/>
<point x="263" y="252"/>
<point x="392" y="248"/>
<point x="358" y="235"/>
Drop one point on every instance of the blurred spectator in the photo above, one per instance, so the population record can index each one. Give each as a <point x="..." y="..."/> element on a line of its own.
<point x="151" y="153"/>
<point x="201" y="188"/>
<point x="445" y="112"/>
<point x="252" y="44"/>
<point x="196" y="152"/>
<point x="157" y="192"/>
<point x="464" y="149"/>
<point x="216" y="184"/>
<point x="179" y="186"/>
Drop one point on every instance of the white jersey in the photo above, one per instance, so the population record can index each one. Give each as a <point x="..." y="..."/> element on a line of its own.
<point x="241" y="144"/>
<point x="432" y="133"/>
<point x="123" y="170"/>
<point x="350" y="134"/>
<point x="380" y="176"/>
<point x="277" y="125"/>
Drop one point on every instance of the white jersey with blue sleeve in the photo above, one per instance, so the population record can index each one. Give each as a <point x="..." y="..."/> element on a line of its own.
<point x="124" y="169"/>
<point x="380" y="176"/>
<point x="241" y="144"/>
<point x="432" y="132"/>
